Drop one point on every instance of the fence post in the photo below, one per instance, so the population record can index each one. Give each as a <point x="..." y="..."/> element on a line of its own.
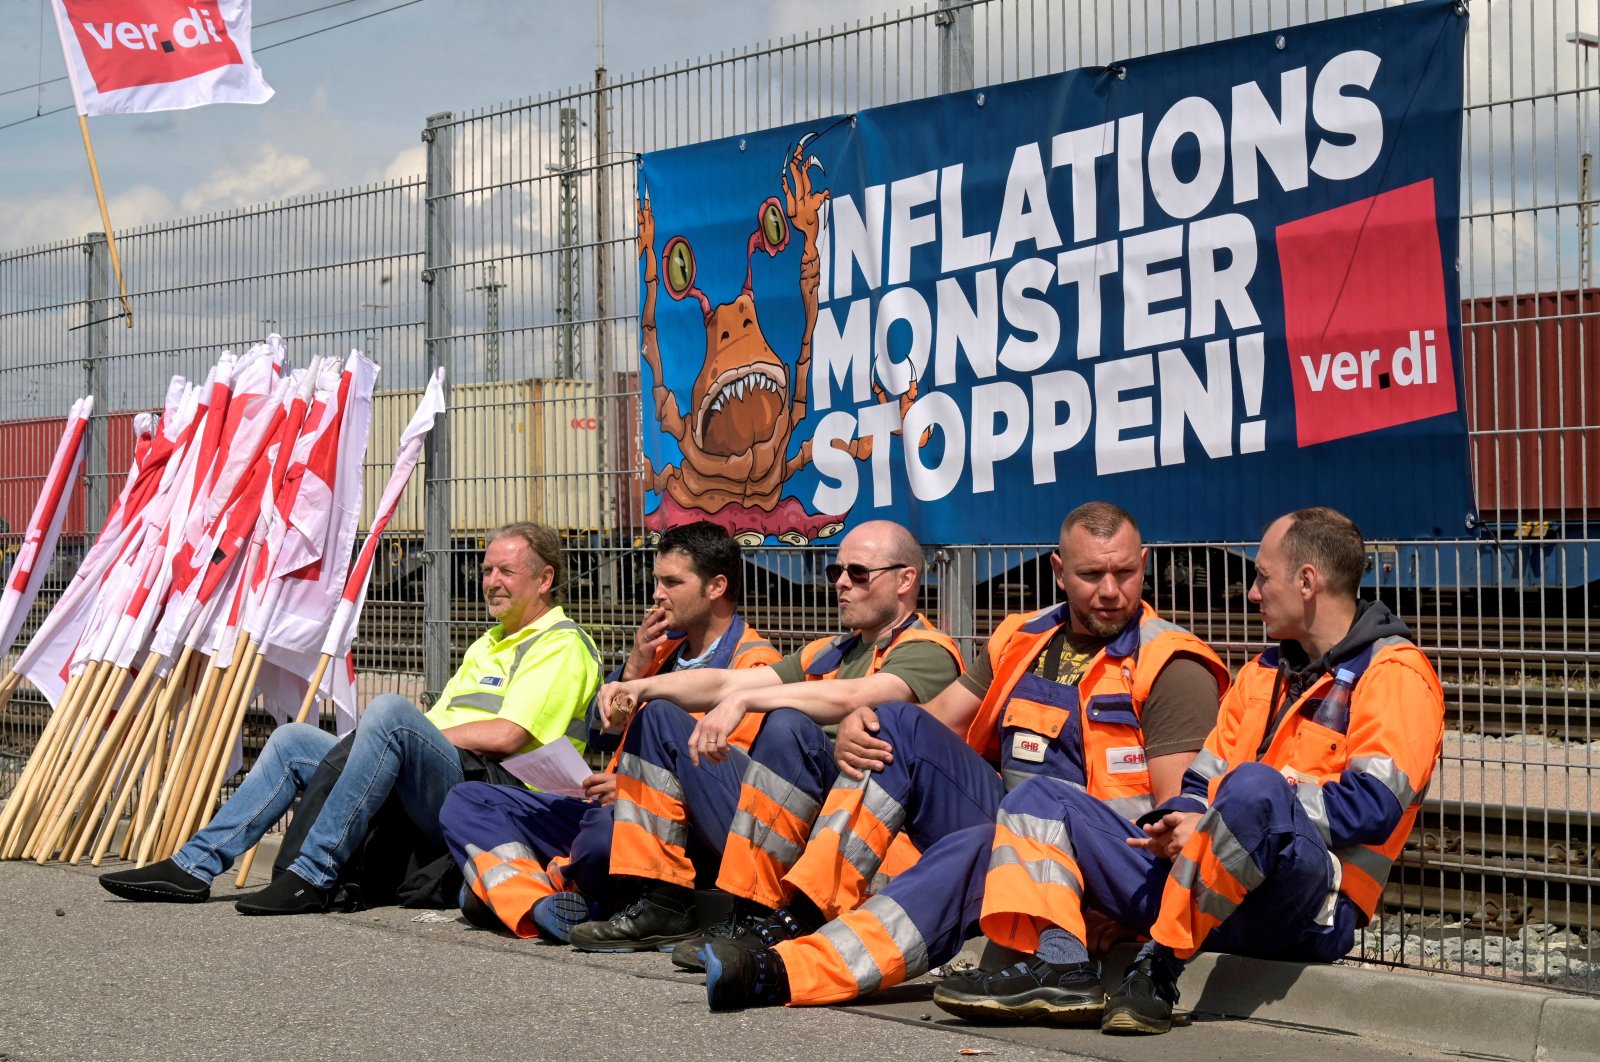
<point x="955" y="45"/>
<point x="96" y="347"/>
<point x="958" y="589"/>
<point x="437" y="349"/>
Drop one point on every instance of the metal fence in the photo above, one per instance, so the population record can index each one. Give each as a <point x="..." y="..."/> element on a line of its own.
<point x="512" y="263"/>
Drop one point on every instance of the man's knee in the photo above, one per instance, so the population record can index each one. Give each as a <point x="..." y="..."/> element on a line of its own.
<point x="898" y="717"/>
<point x="386" y="710"/>
<point x="464" y="805"/>
<point x="788" y="726"/>
<point x="1252" y="785"/>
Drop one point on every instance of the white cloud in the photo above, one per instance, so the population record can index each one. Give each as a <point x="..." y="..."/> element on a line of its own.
<point x="270" y="174"/>
<point x="50" y="216"/>
<point x="408" y="163"/>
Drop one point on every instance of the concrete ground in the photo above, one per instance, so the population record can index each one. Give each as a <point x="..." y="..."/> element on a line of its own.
<point x="88" y="976"/>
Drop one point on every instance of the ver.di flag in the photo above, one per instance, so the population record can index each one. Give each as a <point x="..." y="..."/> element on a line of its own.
<point x="133" y="56"/>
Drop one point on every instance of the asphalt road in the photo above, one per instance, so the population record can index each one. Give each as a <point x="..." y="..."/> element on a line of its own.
<point x="88" y="976"/>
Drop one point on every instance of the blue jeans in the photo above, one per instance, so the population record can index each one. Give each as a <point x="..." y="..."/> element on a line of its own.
<point x="395" y="750"/>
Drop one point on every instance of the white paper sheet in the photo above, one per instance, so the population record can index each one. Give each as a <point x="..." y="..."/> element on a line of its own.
<point x="555" y="768"/>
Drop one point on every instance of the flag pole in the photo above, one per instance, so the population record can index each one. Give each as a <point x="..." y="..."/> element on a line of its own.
<point x="105" y="219"/>
<point x="304" y="714"/>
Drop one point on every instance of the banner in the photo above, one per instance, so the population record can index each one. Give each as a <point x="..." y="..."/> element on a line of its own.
<point x="133" y="56"/>
<point x="1211" y="285"/>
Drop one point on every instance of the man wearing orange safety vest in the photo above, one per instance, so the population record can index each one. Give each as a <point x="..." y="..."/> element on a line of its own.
<point x="1098" y="693"/>
<point x="684" y="784"/>
<point x="1288" y="822"/>
<point x="518" y="847"/>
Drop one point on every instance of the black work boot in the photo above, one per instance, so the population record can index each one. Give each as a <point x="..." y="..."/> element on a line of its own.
<point x="163" y="882"/>
<point x="738" y="977"/>
<point x="1035" y="991"/>
<point x="288" y="894"/>
<point x="1144" y="1002"/>
<point x="752" y="928"/>
<point x="662" y="915"/>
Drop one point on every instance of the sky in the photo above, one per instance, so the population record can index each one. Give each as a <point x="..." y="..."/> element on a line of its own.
<point x="350" y="102"/>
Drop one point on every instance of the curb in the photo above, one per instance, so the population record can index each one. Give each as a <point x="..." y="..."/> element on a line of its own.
<point x="1441" y="1011"/>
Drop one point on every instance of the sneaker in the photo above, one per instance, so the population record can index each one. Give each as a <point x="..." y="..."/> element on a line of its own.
<point x="738" y="977"/>
<point x="749" y="926"/>
<point x="558" y="914"/>
<point x="664" y="914"/>
<point x="1029" y="991"/>
<point x="1144" y="1002"/>
<point x="287" y="894"/>
<point x="163" y="882"/>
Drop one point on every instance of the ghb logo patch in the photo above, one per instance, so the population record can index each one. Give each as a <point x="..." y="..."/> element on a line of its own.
<point x="1364" y="311"/>
<point x="128" y="43"/>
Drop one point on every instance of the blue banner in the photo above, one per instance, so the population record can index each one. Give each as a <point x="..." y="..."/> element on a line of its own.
<point x="1211" y="285"/>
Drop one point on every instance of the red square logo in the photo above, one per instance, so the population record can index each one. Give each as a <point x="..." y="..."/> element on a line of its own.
<point x="1364" y="310"/>
<point x="126" y="43"/>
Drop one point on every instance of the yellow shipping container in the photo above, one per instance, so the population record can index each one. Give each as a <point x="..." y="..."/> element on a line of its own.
<point x="519" y="450"/>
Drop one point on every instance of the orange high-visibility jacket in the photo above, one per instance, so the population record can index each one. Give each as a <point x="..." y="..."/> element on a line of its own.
<point x="1361" y="787"/>
<point x="820" y="659"/>
<point x="1112" y="692"/>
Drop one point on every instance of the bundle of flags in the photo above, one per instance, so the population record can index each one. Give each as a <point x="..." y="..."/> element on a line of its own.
<point x="224" y="567"/>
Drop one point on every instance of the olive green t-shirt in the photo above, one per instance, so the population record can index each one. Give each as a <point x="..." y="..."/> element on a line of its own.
<point x="924" y="666"/>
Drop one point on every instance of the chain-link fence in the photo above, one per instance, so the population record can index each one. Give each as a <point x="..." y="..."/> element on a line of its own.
<point x="511" y="262"/>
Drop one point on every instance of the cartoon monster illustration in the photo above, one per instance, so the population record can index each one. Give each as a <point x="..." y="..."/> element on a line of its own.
<point x="745" y="406"/>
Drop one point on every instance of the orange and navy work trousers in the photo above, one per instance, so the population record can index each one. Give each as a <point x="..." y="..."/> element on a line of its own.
<point x="1255" y="878"/>
<point x="918" y="921"/>
<point x="673" y="817"/>
<point x="934" y="786"/>
<point x="516" y="846"/>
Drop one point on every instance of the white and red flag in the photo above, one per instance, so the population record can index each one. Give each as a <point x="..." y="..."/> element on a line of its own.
<point x="324" y="491"/>
<point x="133" y="56"/>
<point x="44" y="526"/>
<point x="342" y="631"/>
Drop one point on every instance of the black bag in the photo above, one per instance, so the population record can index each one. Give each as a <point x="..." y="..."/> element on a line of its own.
<point x="395" y="863"/>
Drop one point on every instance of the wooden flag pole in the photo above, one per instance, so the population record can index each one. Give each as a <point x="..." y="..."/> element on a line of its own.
<point x="81" y="750"/>
<point x="197" y="767"/>
<point x="31" y="769"/>
<point x="105" y="219"/>
<point x="172" y="779"/>
<point x="220" y="750"/>
<point x="124" y="769"/>
<point x="139" y="746"/>
<point x="81" y="692"/>
<point x="98" y="782"/>
<point x="167" y="728"/>
<point x="8" y="684"/>
<point x="300" y="717"/>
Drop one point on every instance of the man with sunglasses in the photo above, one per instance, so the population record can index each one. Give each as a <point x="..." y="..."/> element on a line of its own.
<point x="1098" y="694"/>
<point x="687" y="797"/>
<point x="526" y="682"/>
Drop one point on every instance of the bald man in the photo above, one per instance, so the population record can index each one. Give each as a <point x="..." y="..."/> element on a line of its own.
<point x="690" y="805"/>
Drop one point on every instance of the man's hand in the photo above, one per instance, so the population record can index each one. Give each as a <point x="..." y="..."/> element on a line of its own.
<point x="710" y="736"/>
<point x="1102" y="932"/>
<point x="646" y="640"/>
<point x="1166" y="838"/>
<point x="857" y="749"/>
<point x="601" y="788"/>
<point x="607" y="693"/>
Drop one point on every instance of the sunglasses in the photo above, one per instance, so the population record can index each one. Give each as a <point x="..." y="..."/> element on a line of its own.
<point x="860" y="574"/>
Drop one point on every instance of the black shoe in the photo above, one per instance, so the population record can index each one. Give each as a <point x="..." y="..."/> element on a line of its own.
<point x="478" y="913"/>
<point x="737" y="977"/>
<point x="1144" y="1002"/>
<point x="558" y="914"/>
<point x="1029" y="991"/>
<point x="664" y="914"/>
<point x="749" y="926"/>
<point x="288" y="894"/>
<point x="163" y="882"/>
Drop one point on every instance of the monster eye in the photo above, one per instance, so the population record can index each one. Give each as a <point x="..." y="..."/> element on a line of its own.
<point x="677" y="262"/>
<point x="774" y="225"/>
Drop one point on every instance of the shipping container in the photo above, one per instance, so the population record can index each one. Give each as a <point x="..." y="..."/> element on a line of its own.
<point x="26" y="449"/>
<point x="1533" y="400"/>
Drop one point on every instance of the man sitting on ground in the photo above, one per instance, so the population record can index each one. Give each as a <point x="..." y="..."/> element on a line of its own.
<point x="526" y="682"/>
